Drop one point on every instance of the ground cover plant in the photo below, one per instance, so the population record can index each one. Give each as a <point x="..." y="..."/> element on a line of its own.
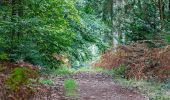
<point x="70" y="87"/>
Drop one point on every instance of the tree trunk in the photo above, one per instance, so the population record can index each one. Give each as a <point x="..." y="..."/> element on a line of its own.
<point x="139" y="4"/>
<point x="20" y="15"/>
<point x="111" y="15"/>
<point x="1" y="2"/>
<point x="169" y="8"/>
<point x="13" y="18"/>
<point x="169" y="5"/>
<point x="160" y="6"/>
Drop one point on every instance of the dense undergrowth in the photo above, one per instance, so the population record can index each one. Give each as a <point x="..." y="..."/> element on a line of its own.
<point x="18" y="82"/>
<point x="142" y="62"/>
<point x="143" y="66"/>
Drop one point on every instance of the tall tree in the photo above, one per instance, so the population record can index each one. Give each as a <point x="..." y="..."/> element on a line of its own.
<point x="13" y="17"/>
<point x="161" y="11"/>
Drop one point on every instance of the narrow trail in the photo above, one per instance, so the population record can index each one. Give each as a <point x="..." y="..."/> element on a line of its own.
<point x="99" y="86"/>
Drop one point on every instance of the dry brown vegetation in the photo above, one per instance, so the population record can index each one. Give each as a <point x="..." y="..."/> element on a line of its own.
<point x="142" y="61"/>
<point x="19" y="81"/>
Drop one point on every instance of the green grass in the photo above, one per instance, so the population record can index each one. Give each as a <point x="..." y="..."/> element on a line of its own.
<point x="65" y="70"/>
<point x="89" y="69"/>
<point x="46" y="81"/>
<point x="117" y="71"/>
<point x="99" y="69"/>
<point x="153" y="90"/>
<point x="70" y="87"/>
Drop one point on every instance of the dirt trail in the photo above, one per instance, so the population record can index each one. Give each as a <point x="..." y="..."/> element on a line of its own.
<point x="99" y="86"/>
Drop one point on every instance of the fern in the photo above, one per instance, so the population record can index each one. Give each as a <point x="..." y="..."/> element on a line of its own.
<point x="18" y="78"/>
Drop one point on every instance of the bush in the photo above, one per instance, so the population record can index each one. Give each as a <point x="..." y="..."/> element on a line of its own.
<point x="63" y="71"/>
<point x="3" y="56"/>
<point x="18" y="85"/>
<point x="120" y="71"/>
<point x="20" y="77"/>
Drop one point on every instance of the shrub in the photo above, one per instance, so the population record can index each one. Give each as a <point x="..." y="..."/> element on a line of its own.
<point x="120" y="70"/>
<point x="3" y="56"/>
<point x="63" y="71"/>
<point x="20" y="77"/>
<point x="18" y="85"/>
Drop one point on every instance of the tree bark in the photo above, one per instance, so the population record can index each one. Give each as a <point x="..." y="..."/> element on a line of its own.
<point x="1" y="1"/>
<point x="139" y="4"/>
<point x="160" y="6"/>
<point x="20" y="15"/>
<point x="169" y="8"/>
<point x="169" y="5"/>
<point x="13" y="18"/>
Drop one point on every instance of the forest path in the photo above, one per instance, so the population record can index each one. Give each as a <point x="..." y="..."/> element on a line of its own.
<point x="100" y="86"/>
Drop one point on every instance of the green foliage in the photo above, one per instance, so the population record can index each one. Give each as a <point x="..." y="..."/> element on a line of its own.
<point x="90" y="69"/>
<point x="135" y="20"/>
<point x="70" y="84"/>
<point x="63" y="71"/>
<point x="140" y="24"/>
<point x="160" y="98"/>
<point x="70" y="88"/>
<point x="3" y="56"/>
<point x="167" y="37"/>
<point x="120" y="70"/>
<point x="46" y="81"/>
<point x="153" y="90"/>
<point x="40" y="28"/>
<point x="89" y="32"/>
<point x="19" y="77"/>
<point x="66" y="71"/>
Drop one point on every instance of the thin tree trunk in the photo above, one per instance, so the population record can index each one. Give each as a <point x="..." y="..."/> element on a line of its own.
<point x="1" y="2"/>
<point x="20" y="15"/>
<point x="139" y="4"/>
<point x="111" y="15"/>
<point x="13" y="18"/>
<point x="169" y="9"/>
<point x="160" y="6"/>
<point x="169" y="5"/>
